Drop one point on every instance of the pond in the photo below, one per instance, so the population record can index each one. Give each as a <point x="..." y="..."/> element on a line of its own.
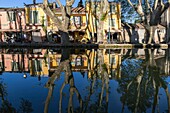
<point x="84" y="80"/>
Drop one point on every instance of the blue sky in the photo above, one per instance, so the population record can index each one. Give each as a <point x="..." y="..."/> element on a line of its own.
<point x="19" y="3"/>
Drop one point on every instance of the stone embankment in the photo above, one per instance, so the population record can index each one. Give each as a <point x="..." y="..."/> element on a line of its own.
<point x="131" y="46"/>
<point x="73" y="45"/>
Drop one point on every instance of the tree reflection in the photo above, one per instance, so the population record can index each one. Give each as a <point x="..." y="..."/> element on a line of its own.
<point x="100" y="71"/>
<point x="69" y="79"/>
<point x="140" y="82"/>
<point x="25" y="106"/>
<point x="6" y="106"/>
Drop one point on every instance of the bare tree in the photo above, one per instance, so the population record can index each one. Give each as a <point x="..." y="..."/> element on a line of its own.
<point x="150" y="15"/>
<point x="100" y="12"/>
<point x="63" y="24"/>
<point x="64" y="66"/>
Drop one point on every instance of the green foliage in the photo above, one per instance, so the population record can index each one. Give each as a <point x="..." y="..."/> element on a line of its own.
<point x="128" y="14"/>
<point x="132" y="90"/>
<point x="45" y="57"/>
<point x="103" y="17"/>
<point x="3" y="89"/>
<point x="43" y="26"/>
<point x="104" y="66"/>
<point x="26" y="106"/>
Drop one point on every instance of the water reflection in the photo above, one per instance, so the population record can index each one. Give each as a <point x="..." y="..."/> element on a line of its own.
<point x="6" y="106"/>
<point x="97" y="81"/>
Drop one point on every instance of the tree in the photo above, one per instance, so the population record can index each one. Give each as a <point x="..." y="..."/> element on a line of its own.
<point x="63" y="24"/>
<point x="150" y="15"/>
<point x="65" y="65"/>
<point x="99" y="10"/>
<point x="25" y="106"/>
<point x="141" y="82"/>
<point x="127" y="14"/>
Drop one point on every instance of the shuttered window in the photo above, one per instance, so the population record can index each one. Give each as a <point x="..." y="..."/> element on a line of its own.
<point x="112" y="8"/>
<point x="11" y="16"/>
<point x="33" y="17"/>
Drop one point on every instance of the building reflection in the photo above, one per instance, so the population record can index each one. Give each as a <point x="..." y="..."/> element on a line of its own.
<point x="45" y="61"/>
<point x="17" y="62"/>
<point x="139" y="77"/>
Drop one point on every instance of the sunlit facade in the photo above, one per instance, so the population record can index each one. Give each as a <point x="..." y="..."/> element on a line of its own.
<point x="112" y="20"/>
<point x="11" y="22"/>
<point x="36" y="19"/>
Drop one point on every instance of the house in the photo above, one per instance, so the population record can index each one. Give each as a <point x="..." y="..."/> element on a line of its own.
<point x="12" y="23"/>
<point x="14" y="62"/>
<point x="82" y="22"/>
<point x="135" y="33"/>
<point x="165" y="21"/>
<point x="77" y="28"/>
<point x="36" y="19"/>
<point x="130" y="33"/>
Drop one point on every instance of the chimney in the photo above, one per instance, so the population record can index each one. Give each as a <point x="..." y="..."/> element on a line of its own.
<point x="34" y="1"/>
<point x="54" y="5"/>
<point x="80" y="4"/>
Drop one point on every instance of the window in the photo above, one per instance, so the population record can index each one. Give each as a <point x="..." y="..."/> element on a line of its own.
<point x="113" y="60"/>
<point x="37" y="66"/>
<point x="112" y="8"/>
<point x="112" y="22"/>
<point x="11" y="16"/>
<point x="77" y="20"/>
<point x="33" y="17"/>
<point x="14" y="66"/>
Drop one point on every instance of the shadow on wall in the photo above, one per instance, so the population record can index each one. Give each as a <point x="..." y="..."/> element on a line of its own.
<point x="130" y="33"/>
<point x="135" y="33"/>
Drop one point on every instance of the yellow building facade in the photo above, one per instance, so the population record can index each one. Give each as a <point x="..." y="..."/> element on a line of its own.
<point x="88" y="61"/>
<point x="112" y="20"/>
<point x="36" y="19"/>
<point x="83" y="23"/>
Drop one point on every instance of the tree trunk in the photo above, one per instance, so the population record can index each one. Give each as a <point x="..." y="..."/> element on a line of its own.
<point x="63" y="26"/>
<point x="64" y="64"/>
<point x="150" y="34"/>
<point x="50" y="92"/>
<point x="100" y="34"/>
<point x="168" y="33"/>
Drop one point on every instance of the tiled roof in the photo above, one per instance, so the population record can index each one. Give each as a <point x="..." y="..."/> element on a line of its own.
<point x="73" y="10"/>
<point x="27" y="5"/>
<point x="10" y="9"/>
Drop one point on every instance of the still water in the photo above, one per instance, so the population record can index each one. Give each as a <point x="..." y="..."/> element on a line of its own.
<point x="84" y="81"/>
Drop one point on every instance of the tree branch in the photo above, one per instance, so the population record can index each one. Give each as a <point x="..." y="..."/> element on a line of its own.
<point x="69" y="3"/>
<point x="131" y="4"/>
<point x="106" y="5"/>
<point x="138" y="8"/>
<point x="155" y="4"/>
<point x="140" y="2"/>
<point x="148" y="5"/>
<point x="59" y="3"/>
<point x="48" y="12"/>
<point x="63" y="12"/>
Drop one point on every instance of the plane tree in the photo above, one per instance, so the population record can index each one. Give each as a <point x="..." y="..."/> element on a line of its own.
<point x="99" y="11"/>
<point x="127" y="14"/>
<point x="150" y="13"/>
<point x="63" y="24"/>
